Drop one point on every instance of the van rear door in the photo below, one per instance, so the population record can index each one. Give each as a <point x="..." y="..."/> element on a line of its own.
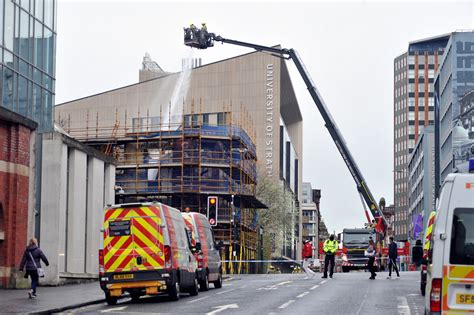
<point x="459" y="285"/>
<point x="133" y="239"/>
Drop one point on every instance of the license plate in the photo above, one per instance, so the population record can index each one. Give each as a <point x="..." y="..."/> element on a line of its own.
<point x="123" y="277"/>
<point x="464" y="298"/>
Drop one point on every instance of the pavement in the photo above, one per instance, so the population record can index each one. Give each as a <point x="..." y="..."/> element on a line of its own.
<point x="50" y="299"/>
<point x="347" y="293"/>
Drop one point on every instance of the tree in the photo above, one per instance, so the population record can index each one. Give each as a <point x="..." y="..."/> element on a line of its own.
<point x="280" y="217"/>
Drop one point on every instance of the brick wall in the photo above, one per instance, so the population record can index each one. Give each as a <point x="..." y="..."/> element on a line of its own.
<point x="14" y="192"/>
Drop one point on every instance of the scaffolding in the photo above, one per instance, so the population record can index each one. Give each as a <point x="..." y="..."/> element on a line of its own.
<point x="182" y="160"/>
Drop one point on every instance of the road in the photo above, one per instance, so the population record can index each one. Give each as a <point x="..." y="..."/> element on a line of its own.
<point x="351" y="293"/>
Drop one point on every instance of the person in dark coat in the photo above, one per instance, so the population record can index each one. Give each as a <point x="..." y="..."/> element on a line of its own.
<point x="31" y="268"/>
<point x="392" y="258"/>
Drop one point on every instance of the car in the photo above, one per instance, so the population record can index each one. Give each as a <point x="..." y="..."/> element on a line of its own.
<point x="146" y="250"/>
<point x="450" y="262"/>
<point x="207" y="250"/>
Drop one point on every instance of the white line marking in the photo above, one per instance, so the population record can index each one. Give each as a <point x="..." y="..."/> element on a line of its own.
<point x="315" y="287"/>
<point x="285" y="305"/>
<point x="323" y="282"/>
<point x="195" y="300"/>
<point x="114" y="309"/>
<point x="275" y="286"/>
<point x="222" y="292"/>
<point x="284" y="282"/>
<point x="228" y="279"/>
<point x="222" y="308"/>
<point x="403" y="308"/>
<point x="302" y="294"/>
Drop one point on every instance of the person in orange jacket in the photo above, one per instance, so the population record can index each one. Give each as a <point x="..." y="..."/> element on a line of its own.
<point x="307" y="255"/>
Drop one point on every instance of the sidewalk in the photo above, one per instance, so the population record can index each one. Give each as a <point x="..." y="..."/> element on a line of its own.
<point x="51" y="299"/>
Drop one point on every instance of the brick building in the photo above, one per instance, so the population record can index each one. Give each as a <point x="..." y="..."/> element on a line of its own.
<point x="17" y="137"/>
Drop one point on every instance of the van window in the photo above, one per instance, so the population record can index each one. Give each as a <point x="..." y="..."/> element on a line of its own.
<point x="209" y="238"/>
<point x="462" y="237"/>
<point x="119" y="228"/>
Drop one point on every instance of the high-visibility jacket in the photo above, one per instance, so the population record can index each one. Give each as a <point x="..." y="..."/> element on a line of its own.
<point x="330" y="247"/>
<point x="428" y="234"/>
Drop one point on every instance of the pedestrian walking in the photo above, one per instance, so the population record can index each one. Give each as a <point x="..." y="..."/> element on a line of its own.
<point x="31" y="262"/>
<point x="392" y="258"/>
<point x="307" y="257"/>
<point x="370" y="253"/>
<point x="329" y="248"/>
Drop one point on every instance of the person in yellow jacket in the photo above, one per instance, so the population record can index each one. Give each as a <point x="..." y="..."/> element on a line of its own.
<point x="329" y="247"/>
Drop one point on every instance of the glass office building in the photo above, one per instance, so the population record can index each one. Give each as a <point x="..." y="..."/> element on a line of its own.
<point x="27" y="58"/>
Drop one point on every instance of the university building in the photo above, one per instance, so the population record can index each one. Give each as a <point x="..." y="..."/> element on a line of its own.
<point x="242" y="108"/>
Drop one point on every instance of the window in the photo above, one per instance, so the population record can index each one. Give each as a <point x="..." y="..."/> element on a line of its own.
<point x="411" y="74"/>
<point x="462" y="237"/>
<point x="9" y="18"/>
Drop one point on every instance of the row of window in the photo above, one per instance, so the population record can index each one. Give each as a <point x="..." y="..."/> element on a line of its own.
<point x="400" y="76"/>
<point x="400" y="63"/>
<point x="29" y="44"/>
<point x="26" y="98"/>
<point x="43" y="10"/>
<point x="422" y="59"/>
<point x="421" y="88"/>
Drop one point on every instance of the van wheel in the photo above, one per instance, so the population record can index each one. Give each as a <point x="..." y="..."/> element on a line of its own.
<point x="111" y="300"/>
<point x="218" y="283"/>
<point x="204" y="284"/>
<point x="194" y="290"/>
<point x="174" y="291"/>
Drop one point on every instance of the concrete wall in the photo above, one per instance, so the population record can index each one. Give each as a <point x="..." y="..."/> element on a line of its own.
<point x="54" y="205"/>
<point x="95" y="206"/>
<point x="76" y="185"/>
<point x="76" y="214"/>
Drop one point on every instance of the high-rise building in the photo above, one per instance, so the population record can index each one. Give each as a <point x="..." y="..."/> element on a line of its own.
<point x="310" y="214"/>
<point x="414" y="73"/>
<point x="421" y="183"/>
<point x="27" y="58"/>
<point x="454" y="80"/>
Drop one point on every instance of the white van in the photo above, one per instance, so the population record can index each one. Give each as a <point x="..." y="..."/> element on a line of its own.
<point x="450" y="264"/>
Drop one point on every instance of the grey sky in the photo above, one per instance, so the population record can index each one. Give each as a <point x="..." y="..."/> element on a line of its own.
<point x="347" y="47"/>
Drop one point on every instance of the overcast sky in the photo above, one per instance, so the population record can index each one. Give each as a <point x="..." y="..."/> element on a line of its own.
<point x="347" y="47"/>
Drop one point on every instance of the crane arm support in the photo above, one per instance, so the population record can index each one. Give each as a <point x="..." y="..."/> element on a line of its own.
<point x="202" y="39"/>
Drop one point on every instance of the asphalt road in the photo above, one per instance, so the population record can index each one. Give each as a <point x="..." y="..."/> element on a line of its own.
<point x="351" y="293"/>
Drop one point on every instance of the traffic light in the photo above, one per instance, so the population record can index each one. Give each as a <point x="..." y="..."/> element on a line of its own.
<point x="212" y="210"/>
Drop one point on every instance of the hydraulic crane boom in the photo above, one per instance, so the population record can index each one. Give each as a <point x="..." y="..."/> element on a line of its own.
<point x="201" y="39"/>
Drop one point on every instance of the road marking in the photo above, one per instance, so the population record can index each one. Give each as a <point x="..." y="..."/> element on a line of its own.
<point x="195" y="300"/>
<point x="403" y="308"/>
<point x="222" y="308"/>
<point x="114" y="309"/>
<point x="285" y="305"/>
<point x="302" y="294"/>
<point x="228" y="279"/>
<point x="323" y="282"/>
<point x="363" y="301"/>
<point x="314" y="287"/>
<point x="222" y="292"/>
<point x="275" y="286"/>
